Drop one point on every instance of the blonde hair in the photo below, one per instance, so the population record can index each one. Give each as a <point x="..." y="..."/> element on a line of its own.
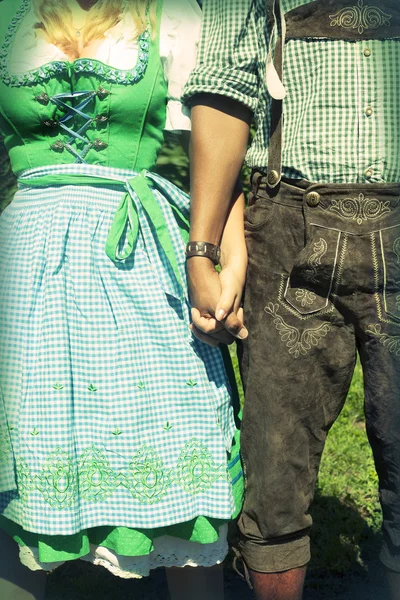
<point x="55" y="18"/>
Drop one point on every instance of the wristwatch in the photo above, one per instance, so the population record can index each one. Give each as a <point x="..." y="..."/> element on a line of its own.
<point x="205" y="249"/>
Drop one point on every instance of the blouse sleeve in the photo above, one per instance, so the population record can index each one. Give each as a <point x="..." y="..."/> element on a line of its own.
<point x="180" y="34"/>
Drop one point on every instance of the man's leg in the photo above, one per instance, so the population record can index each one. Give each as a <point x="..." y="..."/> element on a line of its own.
<point x="279" y="586"/>
<point x="296" y="368"/>
<point x="381" y="367"/>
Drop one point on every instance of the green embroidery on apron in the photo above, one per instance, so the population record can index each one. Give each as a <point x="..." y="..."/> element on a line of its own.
<point x="146" y="477"/>
<point x="56" y="482"/>
<point x="196" y="470"/>
<point x="5" y="444"/>
<point x="97" y="480"/>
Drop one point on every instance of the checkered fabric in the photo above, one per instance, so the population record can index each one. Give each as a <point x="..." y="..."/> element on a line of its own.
<point x="111" y="413"/>
<point x="328" y="136"/>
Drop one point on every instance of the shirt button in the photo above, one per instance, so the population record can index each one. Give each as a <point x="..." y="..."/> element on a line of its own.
<point x="369" y="111"/>
<point x="367" y="52"/>
<point x="369" y="173"/>
<point x="313" y="199"/>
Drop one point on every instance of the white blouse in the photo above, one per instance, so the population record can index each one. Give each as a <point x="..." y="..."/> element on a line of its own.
<point x="179" y="37"/>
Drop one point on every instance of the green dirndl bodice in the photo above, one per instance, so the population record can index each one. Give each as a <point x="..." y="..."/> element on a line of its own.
<point x="85" y="125"/>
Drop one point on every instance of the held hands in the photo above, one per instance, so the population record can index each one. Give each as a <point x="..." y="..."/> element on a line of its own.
<point x="216" y="298"/>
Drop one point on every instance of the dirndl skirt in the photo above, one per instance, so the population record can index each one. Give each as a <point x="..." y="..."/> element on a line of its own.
<point x="111" y="413"/>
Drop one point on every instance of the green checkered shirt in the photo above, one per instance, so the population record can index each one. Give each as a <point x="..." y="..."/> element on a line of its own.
<point x="343" y="104"/>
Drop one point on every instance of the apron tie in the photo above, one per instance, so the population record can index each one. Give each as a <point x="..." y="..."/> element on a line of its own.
<point x="124" y="230"/>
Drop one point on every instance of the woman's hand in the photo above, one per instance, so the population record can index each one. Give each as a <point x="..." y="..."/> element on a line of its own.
<point x="216" y="297"/>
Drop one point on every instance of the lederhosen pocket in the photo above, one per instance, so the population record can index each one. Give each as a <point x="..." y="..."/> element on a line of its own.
<point x="334" y="216"/>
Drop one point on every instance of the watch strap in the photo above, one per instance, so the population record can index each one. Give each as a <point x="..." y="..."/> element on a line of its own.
<point x="204" y="249"/>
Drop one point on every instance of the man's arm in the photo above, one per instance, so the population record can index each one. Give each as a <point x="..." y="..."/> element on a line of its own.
<point x="220" y="130"/>
<point x="224" y="93"/>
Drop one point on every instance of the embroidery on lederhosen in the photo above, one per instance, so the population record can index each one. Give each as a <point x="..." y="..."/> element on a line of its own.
<point x="389" y="341"/>
<point x="299" y="343"/>
<point x="362" y="17"/>
<point x="360" y="209"/>
<point x="396" y="250"/>
<point x="319" y="250"/>
<point x="305" y="297"/>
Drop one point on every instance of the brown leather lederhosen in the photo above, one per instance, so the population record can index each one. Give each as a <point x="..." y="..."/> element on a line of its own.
<point x="323" y="282"/>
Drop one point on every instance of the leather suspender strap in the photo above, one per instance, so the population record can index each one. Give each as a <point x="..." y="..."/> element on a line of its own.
<point x="274" y="173"/>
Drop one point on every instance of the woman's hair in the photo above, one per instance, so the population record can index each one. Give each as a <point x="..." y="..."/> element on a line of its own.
<point x="55" y="18"/>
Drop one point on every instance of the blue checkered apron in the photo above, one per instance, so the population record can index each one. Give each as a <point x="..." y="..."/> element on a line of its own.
<point x="111" y="413"/>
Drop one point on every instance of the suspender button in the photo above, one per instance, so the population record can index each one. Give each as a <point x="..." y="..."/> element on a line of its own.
<point x="273" y="178"/>
<point x="313" y="199"/>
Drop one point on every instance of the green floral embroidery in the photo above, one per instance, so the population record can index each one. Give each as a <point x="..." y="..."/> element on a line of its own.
<point x="5" y="444"/>
<point x="148" y="480"/>
<point x="141" y="386"/>
<point x="57" y="481"/>
<point x="34" y="432"/>
<point x="97" y="480"/>
<point x="25" y="480"/>
<point x="167" y="426"/>
<point x="92" y="388"/>
<point x="57" y="386"/>
<point x="146" y="477"/>
<point x="116" y="431"/>
<point x="196" y="470"/>
<point x="191" y="383"/>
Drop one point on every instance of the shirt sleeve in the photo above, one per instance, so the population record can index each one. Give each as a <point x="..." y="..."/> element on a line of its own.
<point x="179" y="39"/>
<point x="228" y="53"/>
